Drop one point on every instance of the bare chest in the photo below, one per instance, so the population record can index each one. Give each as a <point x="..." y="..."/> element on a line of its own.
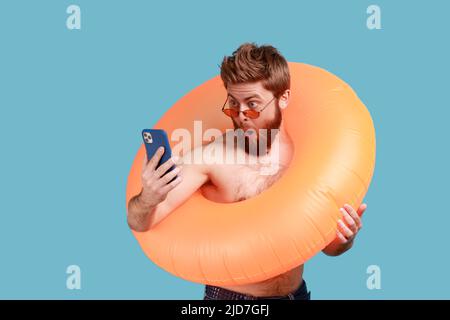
<point x="231" y="183"/>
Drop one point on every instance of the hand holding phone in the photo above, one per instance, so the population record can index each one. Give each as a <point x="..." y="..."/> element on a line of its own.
<point x="160" y="174"/>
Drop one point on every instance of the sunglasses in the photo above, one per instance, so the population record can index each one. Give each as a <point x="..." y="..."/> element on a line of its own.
<point x="249" y="113"/>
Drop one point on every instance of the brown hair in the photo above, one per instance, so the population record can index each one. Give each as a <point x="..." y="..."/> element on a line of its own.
<point x="250" y="63"/>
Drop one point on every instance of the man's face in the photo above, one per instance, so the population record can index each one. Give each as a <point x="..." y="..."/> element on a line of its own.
<point x="254" y="96"/>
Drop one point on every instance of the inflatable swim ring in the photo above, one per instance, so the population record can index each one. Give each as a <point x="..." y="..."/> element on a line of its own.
<point x="256" y="239"/>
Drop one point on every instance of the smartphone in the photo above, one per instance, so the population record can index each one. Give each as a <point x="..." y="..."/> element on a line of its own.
<point x="153" y="139"/>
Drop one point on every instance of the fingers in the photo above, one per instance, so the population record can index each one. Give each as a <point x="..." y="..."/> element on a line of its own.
<point x="172" y="184"/>
<point x="354" y="215"/>
<point x="349" y="221"/>
<point x="361" y="209"/>
<point x="169" y="176"/>
<point x="156" y="158"/>
<point x="166" y="166"/>
<point x="341" y="237"/>
<point x="346" y="232"/>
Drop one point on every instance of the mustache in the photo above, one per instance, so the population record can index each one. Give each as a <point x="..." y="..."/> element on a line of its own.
<point x="266" y="136"/>
<point x="271" y="124"/>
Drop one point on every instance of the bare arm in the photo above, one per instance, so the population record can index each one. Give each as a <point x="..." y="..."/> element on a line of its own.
<point x="140" y="215"/>
<point x="158" y="198"/>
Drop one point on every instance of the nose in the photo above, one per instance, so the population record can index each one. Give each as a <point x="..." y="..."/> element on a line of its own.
<point x="242" y="117"/>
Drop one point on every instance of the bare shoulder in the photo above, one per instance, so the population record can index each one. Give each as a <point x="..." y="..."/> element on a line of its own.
<point x="214" y="151"/>
<point x="204" y="157"/>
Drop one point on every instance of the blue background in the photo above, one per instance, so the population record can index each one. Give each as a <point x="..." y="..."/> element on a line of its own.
<point x="73" y="103"/>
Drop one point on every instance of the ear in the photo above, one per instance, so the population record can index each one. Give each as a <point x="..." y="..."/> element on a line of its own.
<point x="284" y="99"/>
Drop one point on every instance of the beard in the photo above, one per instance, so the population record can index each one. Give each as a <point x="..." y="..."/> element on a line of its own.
<point x="255" y="145"/>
